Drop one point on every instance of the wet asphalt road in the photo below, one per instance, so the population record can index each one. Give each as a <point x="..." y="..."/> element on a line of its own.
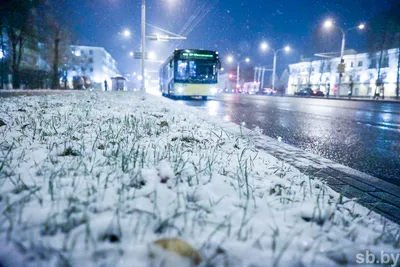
<point x="362" y="135"/>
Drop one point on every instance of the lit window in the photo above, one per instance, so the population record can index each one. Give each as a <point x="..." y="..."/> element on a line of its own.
<point x="182" y="69"/>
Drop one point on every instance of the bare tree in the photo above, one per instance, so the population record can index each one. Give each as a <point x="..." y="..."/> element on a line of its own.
<point x="56" y="35"/>
<point x="384" y="34"/>
<point x="16" y="18"/>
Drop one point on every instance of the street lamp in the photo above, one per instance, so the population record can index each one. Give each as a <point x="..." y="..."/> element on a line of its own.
<point x="264" y="46"/>
<point x="143" y="44"/>
<point x="330" y="24"/>
<point x="152" y="55"/>
<point x="143" y="41"/>
<point x="247" y="60"/>
<point x="126" y="33"/>
<point x="230" y="59"/>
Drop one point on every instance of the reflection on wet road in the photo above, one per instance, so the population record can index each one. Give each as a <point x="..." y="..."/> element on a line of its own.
<point x="361" y="135"/>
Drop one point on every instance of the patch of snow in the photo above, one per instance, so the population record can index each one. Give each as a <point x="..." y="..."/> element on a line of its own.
<point x="93" y="179"/>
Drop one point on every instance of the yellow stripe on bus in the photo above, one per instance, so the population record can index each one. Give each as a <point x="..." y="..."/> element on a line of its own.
<point x="195" y="89"/>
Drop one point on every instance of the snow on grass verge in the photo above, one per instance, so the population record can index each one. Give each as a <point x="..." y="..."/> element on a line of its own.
<point x="94" y="179"/>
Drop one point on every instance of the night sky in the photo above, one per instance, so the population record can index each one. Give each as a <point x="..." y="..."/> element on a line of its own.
<point x="228" y="26"/>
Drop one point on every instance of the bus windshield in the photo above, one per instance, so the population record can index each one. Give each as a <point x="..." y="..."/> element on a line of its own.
<point x="194" y="71"/>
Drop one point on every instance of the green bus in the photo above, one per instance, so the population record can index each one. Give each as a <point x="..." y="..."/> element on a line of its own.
<point x="190" y="73"/>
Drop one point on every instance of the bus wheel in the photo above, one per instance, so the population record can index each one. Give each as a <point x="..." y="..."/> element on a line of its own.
<point x="204" y="98"/>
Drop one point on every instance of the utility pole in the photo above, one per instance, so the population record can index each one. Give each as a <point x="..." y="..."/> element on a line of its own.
<point x="143" y="46"/>
<point x="237" y="75"/>
<point x="341" y="62"/>
<point x="274" y="70"/>
<point x="259" y="74"/>
<point x="262" y="77"/>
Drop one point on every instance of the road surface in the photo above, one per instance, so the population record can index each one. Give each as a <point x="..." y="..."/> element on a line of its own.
<point x="362" y="135"/>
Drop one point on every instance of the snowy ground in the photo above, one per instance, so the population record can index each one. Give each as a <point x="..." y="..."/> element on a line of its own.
<point x="93" y="179"/>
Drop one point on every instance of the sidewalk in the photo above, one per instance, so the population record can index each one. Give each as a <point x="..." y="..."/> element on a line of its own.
<point x="102" y="179"/>
<point x="354" y="98"/>
<point x="373" y="193"/>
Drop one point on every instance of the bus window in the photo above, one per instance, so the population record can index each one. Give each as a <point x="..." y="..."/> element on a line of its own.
<point x="182" y="69"/>
<point x="202" y="70"/>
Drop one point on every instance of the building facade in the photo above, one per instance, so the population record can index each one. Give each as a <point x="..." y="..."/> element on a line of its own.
<point x="89" y="65"/>
<point x="361" y="74"/>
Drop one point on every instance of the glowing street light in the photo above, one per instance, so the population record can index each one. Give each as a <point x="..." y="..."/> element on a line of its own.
<point x="287" y="48"/>
<point x="131" y="54"/>
<point x="126" y="33"/>
<point x="330" y="24"/>
<point x="152" y="55"/>
<point x="264" y="46"/>
<point x="229" y="59"/>
<point x="247" y="60"/>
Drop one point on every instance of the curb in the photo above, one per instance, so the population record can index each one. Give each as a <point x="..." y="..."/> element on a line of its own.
<point x="375" y="194"/>
<point x="390" y="101"/>
<point x="387" y="100"/>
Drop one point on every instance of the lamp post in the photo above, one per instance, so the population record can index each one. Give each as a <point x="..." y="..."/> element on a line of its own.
<point x="230" y="60"/>
<point x="143" y="37"/>
<point x="238" y="71"/>
<point x="330" y="24"/>
<point x="143" y="45"/>
<point x="264" y="46"/>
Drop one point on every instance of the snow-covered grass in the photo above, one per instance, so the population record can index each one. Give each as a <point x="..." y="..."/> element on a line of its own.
<point x="93" y="179"/>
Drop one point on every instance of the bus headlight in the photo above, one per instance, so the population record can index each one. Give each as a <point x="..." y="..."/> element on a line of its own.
<point x="180" y="89"/>
<point x="214" y="90"/>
